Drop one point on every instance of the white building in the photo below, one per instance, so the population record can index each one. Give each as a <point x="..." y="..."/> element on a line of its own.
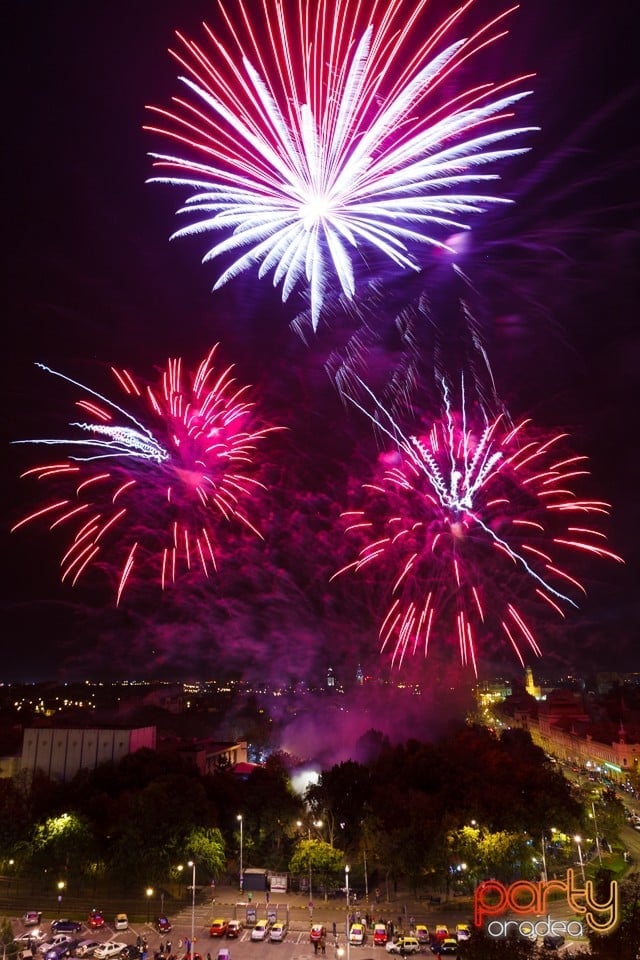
<point x="61" y="752"/>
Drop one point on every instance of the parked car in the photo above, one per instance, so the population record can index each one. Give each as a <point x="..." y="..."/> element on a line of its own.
<point x="55" y="941"/>
<point x="86" y="947"/>
<point x="30" y="938"/>
<point x="260" y="930"/>
<point x="447" y="946"/>
<point x="233" y="929"/>
<point x="403" y="946"/>
<point x="131" y="952"/>
<point x="96" y="920"/>
<point x="224" y="954"/>
<point x="463" y="932"/>
<point x="357" y="934"/>
<point x="163" y="925"/>
<point x="218" y="927"/>
<point x="61" y="950"/>
<point x="278" y="931"/>
<point x="441" y="931"/>
<point x="112" y="948"/>
<point x="32" y="918"/>
<point x="121" y="922"/>
<point x="317" y="932"/>
<point x="422" y="933"/>
<point x="380" y="935"/>
<point x="65" y="926"/>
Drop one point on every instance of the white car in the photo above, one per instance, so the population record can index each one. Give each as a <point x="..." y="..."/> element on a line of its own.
<point x="109" y="949"/>
<point x="278" y="932"/>
<point x="32" y="936"/>
<point x="261" y="930"/>
<point x="121" y="922"/>
<point x="86" y="947"/>
<point x="405" y="945"/>
<point x="56" y="941"/>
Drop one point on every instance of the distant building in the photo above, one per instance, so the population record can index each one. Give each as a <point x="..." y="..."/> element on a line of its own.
<point x="60" y="753"/>
<point x="211" y="755"/>
<point x="530" y="686"/>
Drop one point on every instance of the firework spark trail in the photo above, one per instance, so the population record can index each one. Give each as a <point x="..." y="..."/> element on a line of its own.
<point x="340" y="135"/>
<point x="153" y="500"/>
<point x="470" y="524"/>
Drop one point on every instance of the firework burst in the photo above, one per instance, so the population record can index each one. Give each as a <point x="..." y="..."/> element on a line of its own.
<point x="153" y="493"/>
<point x="469" y="524"/>
<point x="311" y="142"/>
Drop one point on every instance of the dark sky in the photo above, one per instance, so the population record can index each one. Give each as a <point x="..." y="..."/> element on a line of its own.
<point x="91" y="279"/>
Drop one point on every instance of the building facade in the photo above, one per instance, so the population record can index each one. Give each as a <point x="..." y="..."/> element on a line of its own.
<point x="60" y="753"/>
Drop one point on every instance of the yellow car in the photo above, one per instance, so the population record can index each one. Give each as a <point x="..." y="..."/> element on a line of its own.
<point x="422" y="933"/>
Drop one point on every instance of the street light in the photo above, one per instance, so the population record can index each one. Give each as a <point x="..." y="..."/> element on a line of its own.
<point x="61" y="886"/>
<point x="240" y="820"/>
<point x="346" y="883"/>
<point x="149" y="893"/>
<point x="317" y="824"/>
<point x="578" y="840"/>
<point x="192" y="864"/>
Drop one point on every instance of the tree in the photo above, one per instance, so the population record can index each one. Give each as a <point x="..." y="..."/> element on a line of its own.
<point x="63" y="845"/>
<point x="320" y="860"/>
<point x="205" y="846"/>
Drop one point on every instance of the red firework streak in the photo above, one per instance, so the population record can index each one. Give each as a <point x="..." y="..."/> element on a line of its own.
<point x="467" y="526"/>
<point x="151" y="491"/>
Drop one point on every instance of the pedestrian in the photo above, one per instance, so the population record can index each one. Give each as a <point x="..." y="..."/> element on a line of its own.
<point x="335" y="930"/>
<point x="208" y="956"/>
<point x="323" y="946"/>
<point x="250" y="896"/>
<point x="315" y="946"/>
<point x="138" y="941"/>
<point x="180" y="944"/>
<point x="267" y="897"/>
<point x="169" y="946"/>
<point x="161" y="947"/>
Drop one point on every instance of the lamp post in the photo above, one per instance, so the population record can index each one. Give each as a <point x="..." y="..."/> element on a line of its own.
<point x="317" y="824"/>
<point x="149" y="893"/>
<point x="578" y="840"/>
<point x="61" y="886"/>
<point x="595" y="824"/>
<point x="192" y="864"/>
<point x="240" y="820"/>
<point x="346" y="883"/>
<point x="545" y="873"/>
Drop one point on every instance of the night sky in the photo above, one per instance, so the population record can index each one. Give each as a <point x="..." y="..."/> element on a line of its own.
<point x="92" y="280"/>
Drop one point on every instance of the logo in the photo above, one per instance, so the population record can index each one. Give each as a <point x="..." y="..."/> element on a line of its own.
<point x="524" y="897"/>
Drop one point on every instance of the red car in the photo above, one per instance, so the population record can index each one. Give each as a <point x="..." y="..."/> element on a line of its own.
<point x="96" y="920"/>
<point x="380" y="935"/>
<point x="317" y="932"/>
<point x="219" y="927"/>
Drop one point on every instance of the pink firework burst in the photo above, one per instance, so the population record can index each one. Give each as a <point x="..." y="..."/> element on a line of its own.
<point x="469" y="525"/>
<point x="155" y="486"/>
<point x="311" y="136"/>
